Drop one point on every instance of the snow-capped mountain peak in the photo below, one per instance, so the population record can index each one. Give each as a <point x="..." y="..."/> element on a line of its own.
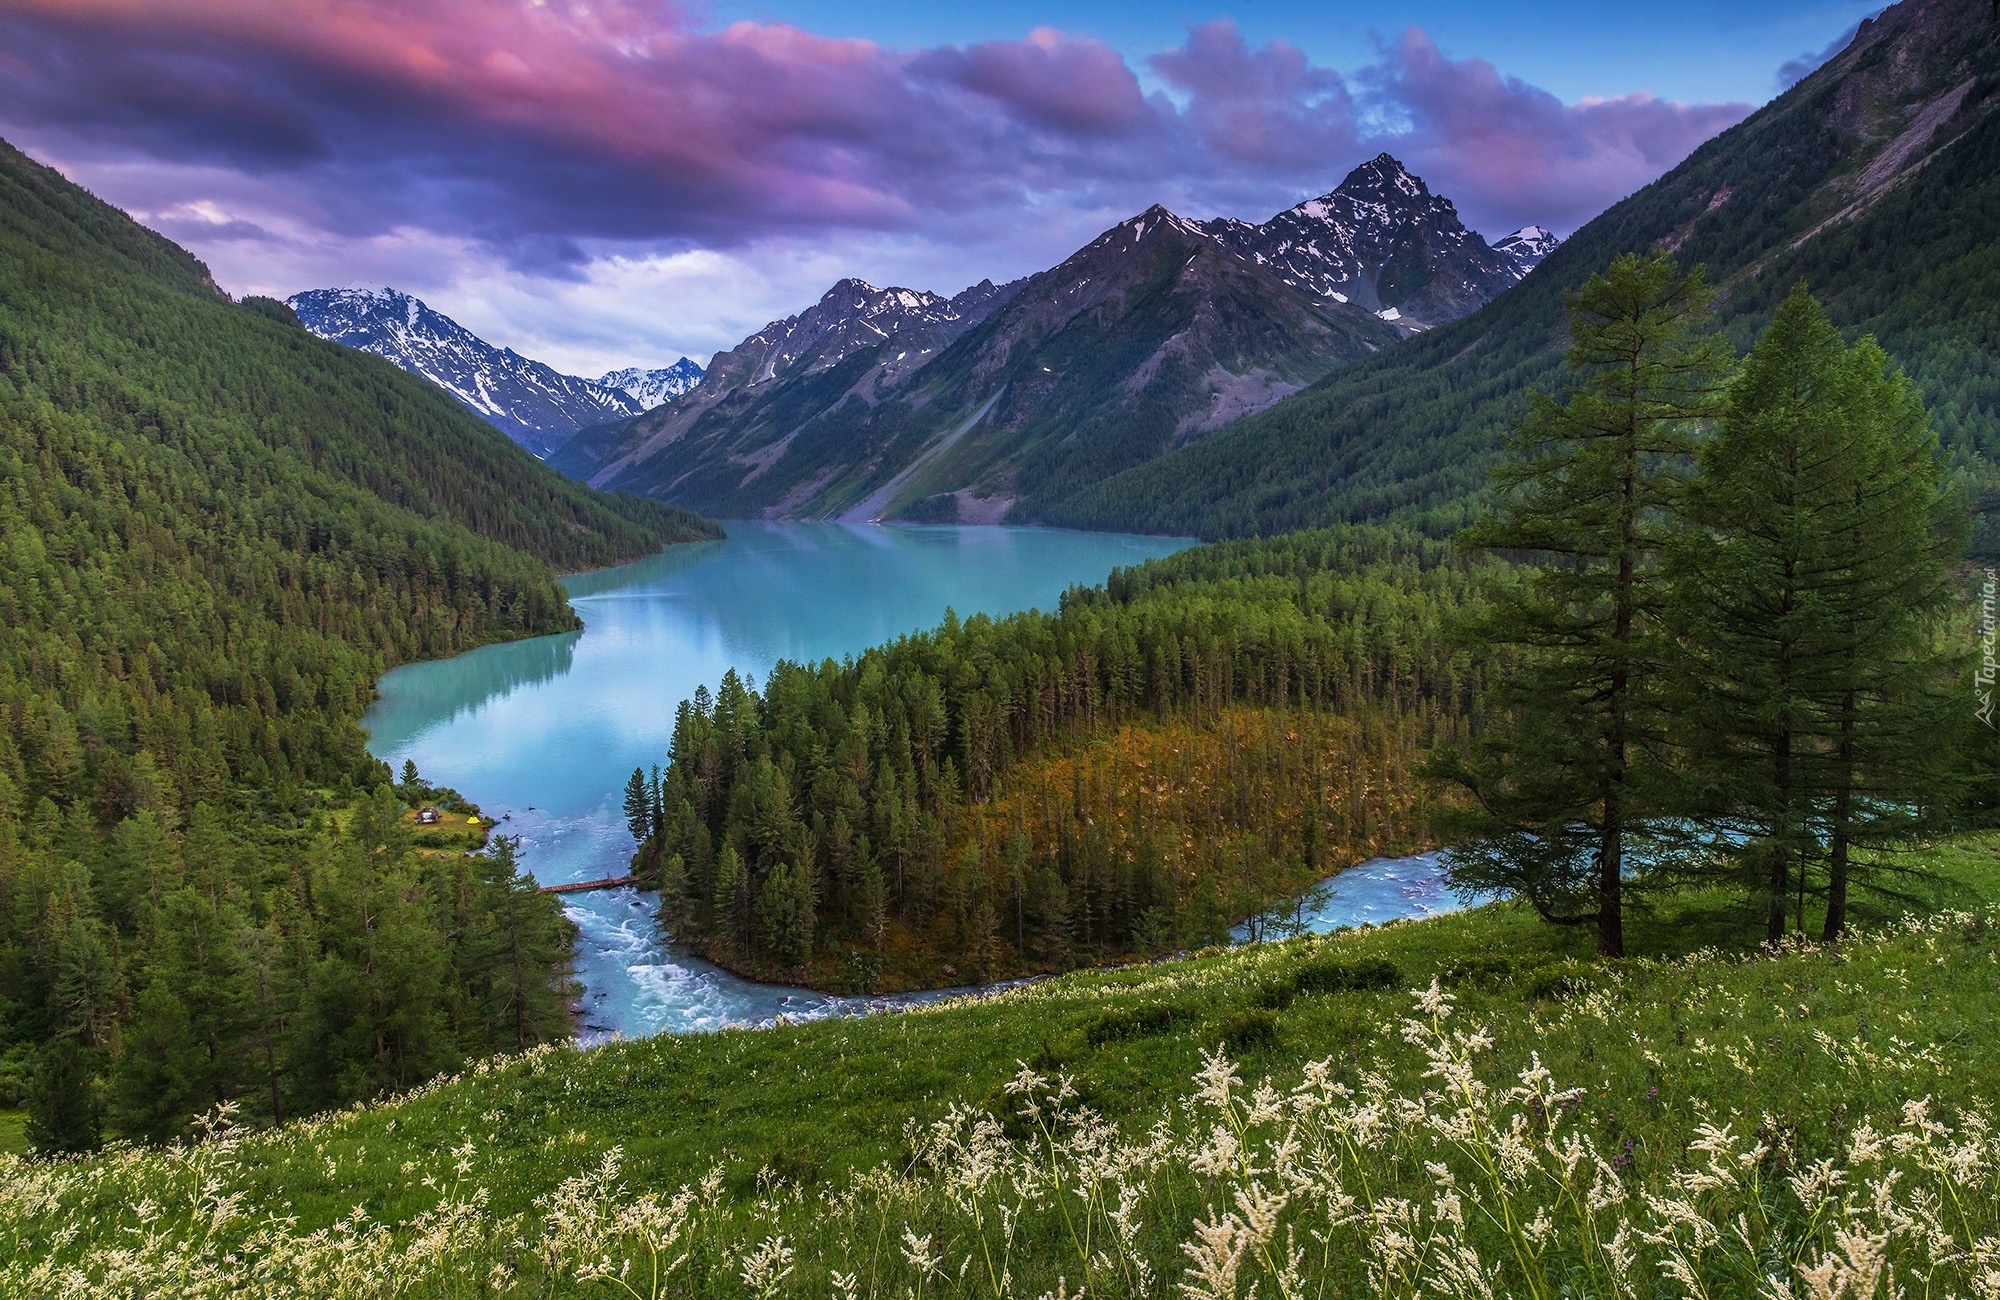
<point x="534" y="404"/>
<point x="650" y="388"/>
<point x="1380" y="240"/>
<point x="1527" y="246"/>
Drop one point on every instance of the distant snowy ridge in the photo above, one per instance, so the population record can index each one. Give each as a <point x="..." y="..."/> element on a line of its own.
<point x="651" y="388"/>
<point x="534" y="404"/>
<point x="1527" y="246"/>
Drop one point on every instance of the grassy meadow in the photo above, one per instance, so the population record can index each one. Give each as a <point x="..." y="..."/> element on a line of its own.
<point x="1469" y="1105"/>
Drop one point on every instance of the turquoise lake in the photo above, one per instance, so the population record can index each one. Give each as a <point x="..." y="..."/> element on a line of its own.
<point x="545" y="732"/>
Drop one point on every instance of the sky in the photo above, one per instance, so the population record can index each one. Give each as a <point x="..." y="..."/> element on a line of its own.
<point x="602" y="183"/>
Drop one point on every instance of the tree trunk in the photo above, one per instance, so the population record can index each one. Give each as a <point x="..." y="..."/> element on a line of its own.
<point x="1610" y="885"/>
<point x="1781" y="875"/>
<point x="1843" y="812"/>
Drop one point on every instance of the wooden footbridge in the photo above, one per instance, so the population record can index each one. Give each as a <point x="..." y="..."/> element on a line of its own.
<point x="579" y="886"/>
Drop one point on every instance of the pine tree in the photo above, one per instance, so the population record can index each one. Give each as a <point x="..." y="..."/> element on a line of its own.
<point x="676" y="907"/>
<point x="871" y="896"/>
<point x="1568" y="776"/>
<point x="273" y="997"/>
<point x="732" y="899"/>
<point x="1808" y="601"/>
<point x="1051" y="932"/>
<point x="785" y="915"/>
<point x="65" y="1111"/>
<point x="523" y="946"/>
<point x="159" y="1082"/>
<point x="638" y="806"/>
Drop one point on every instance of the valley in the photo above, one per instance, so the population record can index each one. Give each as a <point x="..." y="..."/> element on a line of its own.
<point x="1329" y="756"/>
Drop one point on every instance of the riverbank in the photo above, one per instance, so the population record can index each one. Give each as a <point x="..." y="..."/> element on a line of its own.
<point x="543" y="733"/>
<point x="1377" y="892"/>
<point x="1406" y="886"/>
<point x="825" y="1135"/>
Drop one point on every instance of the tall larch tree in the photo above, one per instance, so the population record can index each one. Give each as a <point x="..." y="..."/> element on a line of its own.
<point x="1575" y="764"/>
<point x="1808" y="598"/>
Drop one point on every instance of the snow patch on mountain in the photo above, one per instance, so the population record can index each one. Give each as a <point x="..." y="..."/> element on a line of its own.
<point x="1527" y="246"/>
<point x="532" y="403"/>
<point x="650" y="388"/>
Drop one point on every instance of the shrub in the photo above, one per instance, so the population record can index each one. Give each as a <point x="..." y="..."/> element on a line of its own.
<point x="1560" y="980"/>
<point x="1275" y="995"/>
<point x="1250" y="1030"/>
<point x="1134" y="1022"/>
<point x="1327" y="975"/>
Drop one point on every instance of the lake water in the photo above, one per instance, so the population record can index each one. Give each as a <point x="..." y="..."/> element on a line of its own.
<point x="544" y="733"/>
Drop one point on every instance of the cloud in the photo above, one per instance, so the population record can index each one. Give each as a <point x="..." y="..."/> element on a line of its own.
<point x="1050" y="80"/>
<point x="1510" y="153"/>
<point x="564" y="137"/>
<point x="1266" y="109"/>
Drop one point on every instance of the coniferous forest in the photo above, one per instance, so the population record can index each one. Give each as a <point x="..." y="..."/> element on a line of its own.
<point x="218" y="532"/>
<point x="1640" y="595"/>
<point x="1707" y="637"/>
<point x="1136" y="773"/>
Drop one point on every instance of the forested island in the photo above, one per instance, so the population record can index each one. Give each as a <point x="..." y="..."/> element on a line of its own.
<point x="1655" y="594"/>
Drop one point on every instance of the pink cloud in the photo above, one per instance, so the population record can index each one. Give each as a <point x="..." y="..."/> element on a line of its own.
<point x="543" y="128"/>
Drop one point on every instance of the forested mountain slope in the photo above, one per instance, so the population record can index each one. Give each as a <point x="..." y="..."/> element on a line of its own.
<point x="218" y="530"/>
<point x="1876" y="180"/>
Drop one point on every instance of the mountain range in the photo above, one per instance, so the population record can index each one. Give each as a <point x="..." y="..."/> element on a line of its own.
<point x="532" y="403"/>
<point x="1875" y="180"/>
<point x="998" y="402"/>
<point x="1355" y="356"/>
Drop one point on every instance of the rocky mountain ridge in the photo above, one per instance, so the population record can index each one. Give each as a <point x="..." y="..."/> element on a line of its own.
<point x="897" y="402"/>
<point x="651" y="388"/>
<point x="1382" y="241"/>
<point x="536" y="405"/>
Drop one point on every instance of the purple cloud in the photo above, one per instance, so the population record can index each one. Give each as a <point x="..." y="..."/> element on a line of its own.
<point x="1265" y="109"/>
<point x="548" y="131"/>
<point x="1051" y="80"/>
<point x="1511" y="153"/>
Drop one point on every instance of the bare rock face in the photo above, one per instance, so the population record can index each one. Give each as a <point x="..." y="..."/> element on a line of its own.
<point x="1382" y="241"/>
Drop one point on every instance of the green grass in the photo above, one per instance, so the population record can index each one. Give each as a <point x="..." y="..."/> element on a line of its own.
<point x="13" y="1132"/>
<point x="1800" y="1047"/>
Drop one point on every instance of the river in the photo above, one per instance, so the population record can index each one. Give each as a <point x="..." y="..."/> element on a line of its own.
<point x="543" y="733"/>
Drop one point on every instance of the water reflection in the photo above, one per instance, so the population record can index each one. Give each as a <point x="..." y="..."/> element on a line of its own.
<point x="486" y="674"/>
